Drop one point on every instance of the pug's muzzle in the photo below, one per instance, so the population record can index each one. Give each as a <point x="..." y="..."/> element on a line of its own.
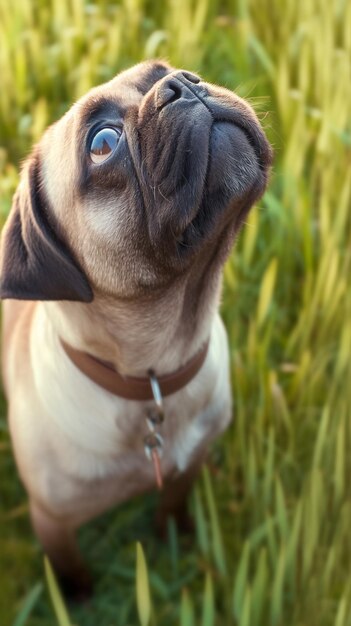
<point x="200" y="154"/>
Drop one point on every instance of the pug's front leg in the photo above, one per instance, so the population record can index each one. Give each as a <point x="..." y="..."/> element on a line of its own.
<point x="58" y="540"/>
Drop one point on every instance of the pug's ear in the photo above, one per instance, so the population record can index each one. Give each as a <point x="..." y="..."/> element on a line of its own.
<point x="35" y="264"/>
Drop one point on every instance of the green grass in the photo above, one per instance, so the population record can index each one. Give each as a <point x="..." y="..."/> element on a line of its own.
<point x="273" y="512"/>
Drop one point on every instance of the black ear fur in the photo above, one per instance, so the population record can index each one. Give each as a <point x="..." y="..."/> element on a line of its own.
<point x="34" y="263"/>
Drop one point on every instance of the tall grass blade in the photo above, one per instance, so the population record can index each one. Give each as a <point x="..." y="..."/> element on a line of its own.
<point x="142" y="587"/>
<point x="266" y="291"/>
<point x="208" y="608"/>
<point x="217" y="541"/>
<point x="240" y="582"/>
<point x="186" y="610"/>
<point x="55" y="595"/>
<point x="28" y="605"/>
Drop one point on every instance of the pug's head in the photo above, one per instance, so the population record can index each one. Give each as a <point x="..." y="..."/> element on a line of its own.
<point x="143" y="179"/>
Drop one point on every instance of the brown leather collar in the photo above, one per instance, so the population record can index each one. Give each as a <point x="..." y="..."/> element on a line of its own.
<point x="129" y="387"/>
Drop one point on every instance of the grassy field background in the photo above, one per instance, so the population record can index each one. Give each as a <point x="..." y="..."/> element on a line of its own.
<point x="273" y="511"/>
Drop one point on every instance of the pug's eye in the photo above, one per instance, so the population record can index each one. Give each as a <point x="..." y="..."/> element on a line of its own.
<point x="103" y="144"/>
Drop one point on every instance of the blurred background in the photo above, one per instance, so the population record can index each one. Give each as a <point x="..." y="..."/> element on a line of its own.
<point x="272" y="511"/>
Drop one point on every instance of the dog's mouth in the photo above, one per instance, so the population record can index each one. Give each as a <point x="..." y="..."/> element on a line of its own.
<point x="204" y="161"/>
<point x="234" y="180"/>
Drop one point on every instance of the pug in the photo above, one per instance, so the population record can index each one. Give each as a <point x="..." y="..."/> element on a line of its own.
<point x="115" y="359"/>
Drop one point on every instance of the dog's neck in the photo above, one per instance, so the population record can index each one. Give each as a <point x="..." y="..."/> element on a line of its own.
<point x="161" y="333"/>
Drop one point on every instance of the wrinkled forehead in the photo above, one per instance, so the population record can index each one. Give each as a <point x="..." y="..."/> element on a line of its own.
<point x="125" y="90"/>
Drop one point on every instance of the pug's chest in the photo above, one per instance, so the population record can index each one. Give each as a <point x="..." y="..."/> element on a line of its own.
<point x="107" y="435"/>
<point x="97" y="439"/>
<point x="183" y="434"/>
<point x="97" y="481"/>
<point x="123" y="450"/>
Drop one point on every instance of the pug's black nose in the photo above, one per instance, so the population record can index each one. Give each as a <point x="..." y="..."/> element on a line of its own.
<point x="175" y="87"/>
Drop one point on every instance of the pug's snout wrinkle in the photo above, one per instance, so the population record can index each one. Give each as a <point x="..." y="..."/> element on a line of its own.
<point x="178" y="86"/>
